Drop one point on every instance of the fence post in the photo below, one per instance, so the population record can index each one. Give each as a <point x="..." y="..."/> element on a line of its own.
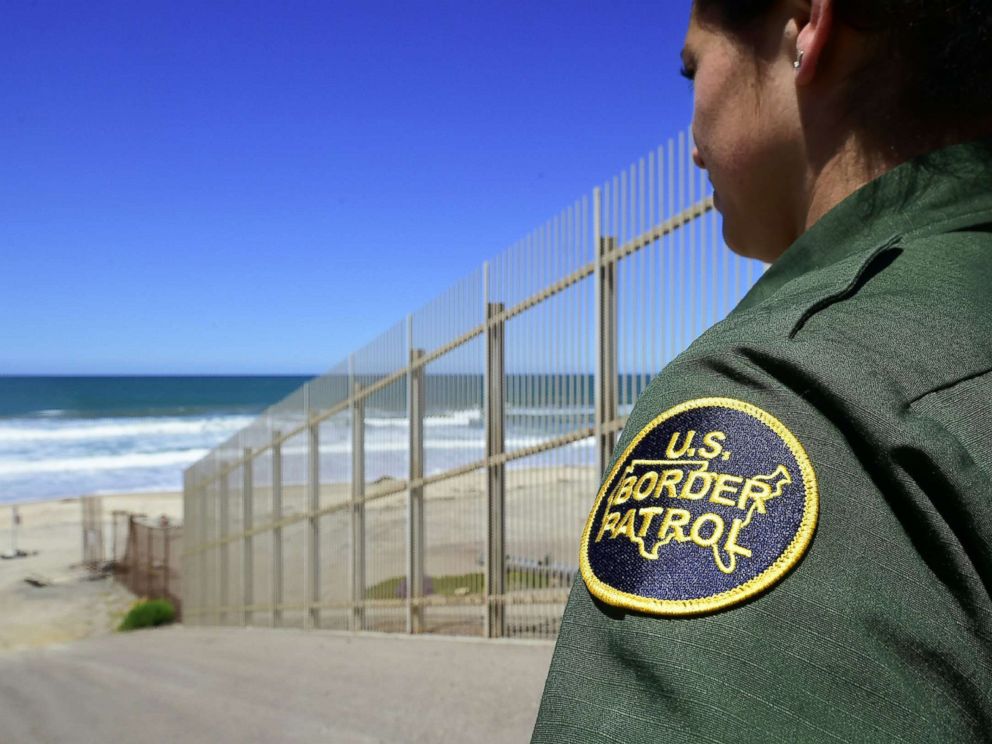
<point x="312" y="588"/>
<point x="277" y="530"/>
<point x="203" y="536"/>
<point x="150" y="561"/>
<point x="113" y="536"/>
<point x="416" y="403"/>
<point x="222" y="529"/>
<point x="606" y="338"/>
<point x="165" y="560"/>
<point x="132" y="548"/>
<point x="495" y="481"/>
<point x="247" y="554"/>
<point x="185" y="560"/>
<point x="357" y="507"/>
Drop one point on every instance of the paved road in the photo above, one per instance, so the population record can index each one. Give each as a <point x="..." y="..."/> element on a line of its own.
<point x="255" y="685"/>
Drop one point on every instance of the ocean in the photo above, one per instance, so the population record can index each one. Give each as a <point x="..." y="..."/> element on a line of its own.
<point x="70" y="436"/>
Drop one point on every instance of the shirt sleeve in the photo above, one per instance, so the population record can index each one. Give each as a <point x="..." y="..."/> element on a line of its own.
<point x="879" y="629"/>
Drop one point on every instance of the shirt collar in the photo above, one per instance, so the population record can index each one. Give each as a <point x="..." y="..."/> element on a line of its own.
<point x="944" y="190"/>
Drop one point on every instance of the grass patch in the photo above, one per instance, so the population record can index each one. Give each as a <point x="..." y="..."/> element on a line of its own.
<point x="148" y="613"/>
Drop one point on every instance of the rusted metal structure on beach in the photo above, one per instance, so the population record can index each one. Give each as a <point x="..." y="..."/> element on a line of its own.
<point x="150" y="558"/>
<point x="438" y="479"/>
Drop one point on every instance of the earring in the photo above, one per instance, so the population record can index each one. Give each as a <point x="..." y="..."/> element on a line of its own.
<point x="799" y="60"/>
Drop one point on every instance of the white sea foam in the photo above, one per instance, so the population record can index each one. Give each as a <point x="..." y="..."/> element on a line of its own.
<point x="126" y="461"/>
<point x="27" y="430"/>
<point x="400" y="445"/>
<point x="465" y="418"/>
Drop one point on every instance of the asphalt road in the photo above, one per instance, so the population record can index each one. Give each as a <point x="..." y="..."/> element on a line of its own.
<point x="256" y="685"/>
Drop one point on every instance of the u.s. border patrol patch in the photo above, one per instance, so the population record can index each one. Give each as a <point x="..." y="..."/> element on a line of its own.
<point x="711" y="503"/>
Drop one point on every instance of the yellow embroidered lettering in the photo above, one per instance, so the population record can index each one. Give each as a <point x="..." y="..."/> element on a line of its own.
<point x="645" y="485"/>
<point x="754" y="489"/>
<point x="725" y="484"/>
<point x="669" y="479"/>
<point x="610" y="520"/>
<point x="732" y="548"/>
<point x="623" y="493"/>
<point x="674" y="521"/>
<point x="673" y="452"/>
<point x="696" y="533"/>
<point x="714" y="446"/>
<point x="761" y="488"/>
<point x="648" y="513"/>
<point x="696" y="475"/>
<point x="626" y="526"/>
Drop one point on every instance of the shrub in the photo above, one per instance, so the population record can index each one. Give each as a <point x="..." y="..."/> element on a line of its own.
<point x="148" y="613"/>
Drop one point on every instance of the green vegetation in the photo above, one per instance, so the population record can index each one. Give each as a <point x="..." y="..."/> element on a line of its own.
<point x="148" y="613"/>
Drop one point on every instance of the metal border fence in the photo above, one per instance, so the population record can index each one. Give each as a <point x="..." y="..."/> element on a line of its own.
<point x="438" y="479"/>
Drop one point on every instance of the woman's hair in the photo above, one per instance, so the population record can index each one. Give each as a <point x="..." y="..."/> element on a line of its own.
<point x="929" y="77"/>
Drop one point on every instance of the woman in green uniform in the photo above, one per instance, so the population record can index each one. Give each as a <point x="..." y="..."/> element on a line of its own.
<point x="793" y="541"/>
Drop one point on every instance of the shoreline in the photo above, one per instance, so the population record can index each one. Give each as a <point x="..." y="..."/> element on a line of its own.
<point x="126" y="494"/>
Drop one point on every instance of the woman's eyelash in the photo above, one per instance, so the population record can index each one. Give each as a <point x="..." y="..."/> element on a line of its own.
<point x="686" y="73"/>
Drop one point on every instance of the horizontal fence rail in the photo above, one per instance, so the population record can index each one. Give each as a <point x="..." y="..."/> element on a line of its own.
<point x="437" y="480"/>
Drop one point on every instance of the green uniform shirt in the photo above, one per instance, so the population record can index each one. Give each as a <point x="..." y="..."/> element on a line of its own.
<point x="870" y="342"/>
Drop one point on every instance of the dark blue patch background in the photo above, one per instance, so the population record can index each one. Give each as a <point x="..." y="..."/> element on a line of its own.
<point x="685" y="571"/>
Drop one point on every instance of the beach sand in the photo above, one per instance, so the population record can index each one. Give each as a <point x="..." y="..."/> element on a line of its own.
<point x="545" y="512"/>
<point x="71" y="606"/>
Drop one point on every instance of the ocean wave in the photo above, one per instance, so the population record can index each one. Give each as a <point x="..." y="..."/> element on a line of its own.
<point x="512" y="443"/>
<point x="468" y="418"/>
<point x="121" y="428"/>
<point x="550" y="412"/>
<point x="126" y="461"/>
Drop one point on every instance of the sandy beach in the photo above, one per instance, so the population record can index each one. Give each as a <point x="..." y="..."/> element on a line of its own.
<point x="545" y="511"/>
<point x="71" y="605"/>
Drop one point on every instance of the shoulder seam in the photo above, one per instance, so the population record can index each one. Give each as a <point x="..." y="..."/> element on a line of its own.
<point x="949" y="385"/>
<point x="877" y="261"/>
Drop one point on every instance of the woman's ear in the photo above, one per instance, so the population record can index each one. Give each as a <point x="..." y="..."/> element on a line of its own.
<point x="812" y="40"/>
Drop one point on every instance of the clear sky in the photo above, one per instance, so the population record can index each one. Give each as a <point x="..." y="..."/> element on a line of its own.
<point x="245" y="187"/>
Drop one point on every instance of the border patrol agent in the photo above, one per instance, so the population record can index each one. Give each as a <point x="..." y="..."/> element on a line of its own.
<point x="793" y="541"/>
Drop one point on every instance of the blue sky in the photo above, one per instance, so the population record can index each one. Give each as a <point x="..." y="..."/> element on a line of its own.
<point x="245" y="187"/>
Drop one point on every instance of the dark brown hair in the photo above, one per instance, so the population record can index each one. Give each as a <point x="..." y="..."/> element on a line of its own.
<point x="929" y="79"/>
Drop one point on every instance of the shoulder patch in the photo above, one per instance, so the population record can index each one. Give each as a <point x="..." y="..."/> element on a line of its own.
<point x="712" y="502"/>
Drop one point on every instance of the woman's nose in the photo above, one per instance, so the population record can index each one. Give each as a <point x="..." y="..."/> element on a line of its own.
<point x="697" y="158"/>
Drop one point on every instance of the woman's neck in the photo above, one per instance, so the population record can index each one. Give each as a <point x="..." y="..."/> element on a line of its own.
<point x="839" y="174"/>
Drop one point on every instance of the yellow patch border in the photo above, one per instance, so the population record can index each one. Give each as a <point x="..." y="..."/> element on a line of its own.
<point x="783" y="564"/>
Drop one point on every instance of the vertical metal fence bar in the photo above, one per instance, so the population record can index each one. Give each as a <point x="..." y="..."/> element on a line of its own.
<point x="203" y="535"/>
<point x="165" y="561"/>
<point x="247" y="547"/>
<point x="683" y="247"/>
<point x="277" y="592"/>
<point x="149" y="562"/>
<point x="225" y="598"/>
<point x="606" y="338"/>
<point x="416" y="403"/>
<point x="311" y="590"/>
<point x="186" y="559"/>
<point x="495" y="625"/>
<point x="357" y="507"/>
<point x="693" y="258"/>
